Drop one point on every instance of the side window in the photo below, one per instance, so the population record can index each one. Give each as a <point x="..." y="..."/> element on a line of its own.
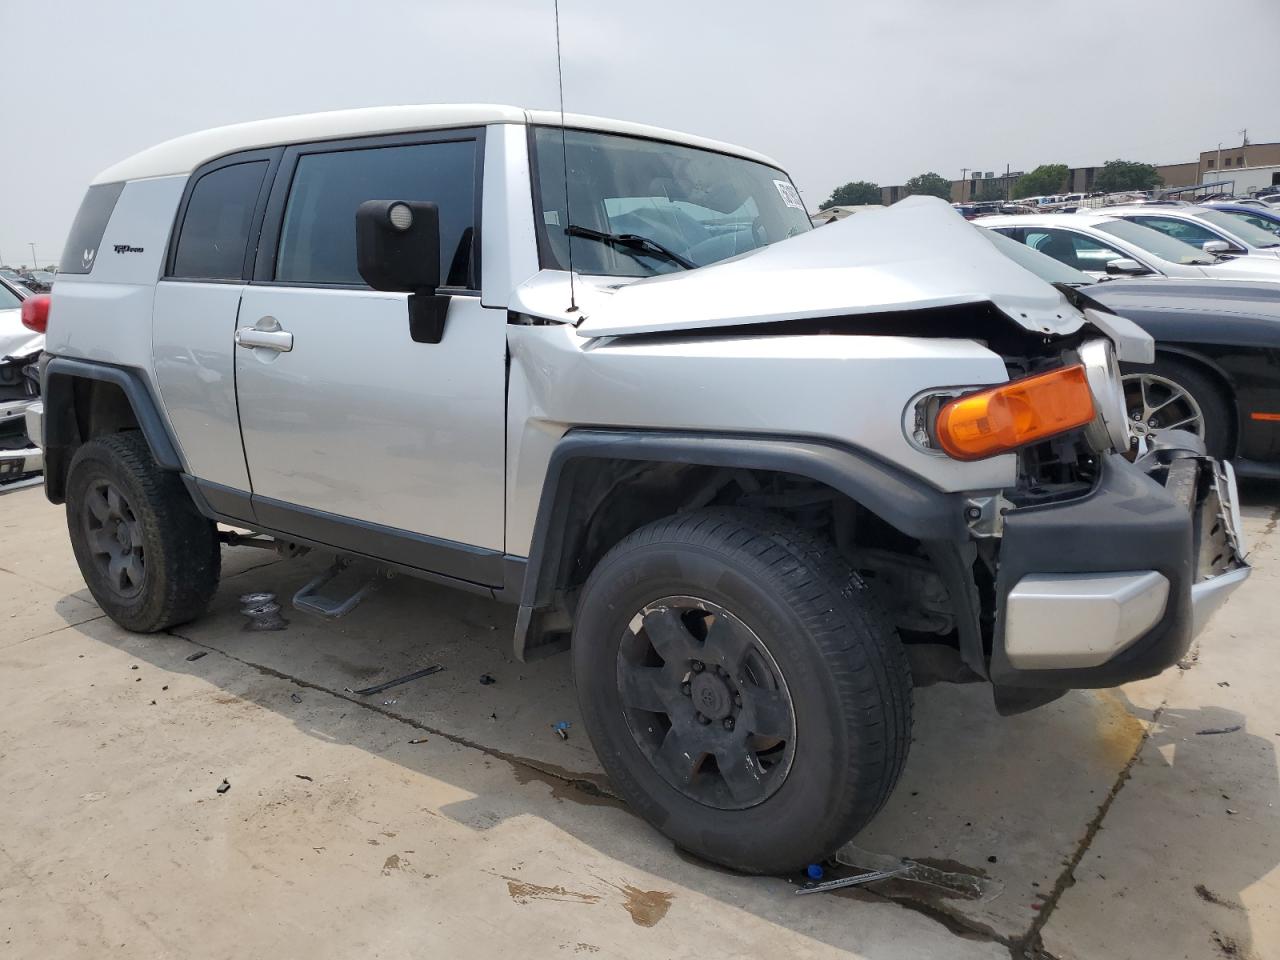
<point x="215" y="228"/>
<point x="1093" y="254"/>
<point x="318" y="236"/>
<point x="1074" y="249"/>
<point x="1183" y="230"/>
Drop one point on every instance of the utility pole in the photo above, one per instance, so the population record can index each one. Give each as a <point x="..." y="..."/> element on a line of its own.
<point x="1006" y="182"/>
<point x="1218" y="163"/>
<point x="964" y="172"/>
<point x="1244" y="144"/>
<point x="35" y="263"/>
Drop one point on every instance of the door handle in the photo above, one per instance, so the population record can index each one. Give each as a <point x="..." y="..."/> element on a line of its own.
<point x="279" y="340"/>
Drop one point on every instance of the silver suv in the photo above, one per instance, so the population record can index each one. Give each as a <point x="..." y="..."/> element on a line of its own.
<point x="760" y="479"/>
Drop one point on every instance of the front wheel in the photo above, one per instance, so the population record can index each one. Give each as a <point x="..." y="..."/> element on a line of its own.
<point x="741" y="689"/>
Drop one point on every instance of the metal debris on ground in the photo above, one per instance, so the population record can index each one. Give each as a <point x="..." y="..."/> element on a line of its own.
<point x="486" y="680"/>
<point x="198" y="654"/>
<point x="561" y="727"/>
<point x="369" y="691"/>
<point x="965" y="884"/>
<point x="1213" y="730"/>
<point x="419" y="740"/>
<point x="859" y="878"/>
<point x="389" y="703"/>
<point x="262" y="611"/>
<point x="295" y="698"/>
<point x="224" y="786"/>
<point x="303" y="776"/>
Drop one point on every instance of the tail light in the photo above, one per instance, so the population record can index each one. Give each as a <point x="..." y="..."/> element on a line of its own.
<point x="35" y="312"/>
<point x="1015" y="414"/>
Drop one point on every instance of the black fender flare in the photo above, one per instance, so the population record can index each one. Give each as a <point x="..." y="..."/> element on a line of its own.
<point x="62" y="432"/>
<point x="901" y="499"/>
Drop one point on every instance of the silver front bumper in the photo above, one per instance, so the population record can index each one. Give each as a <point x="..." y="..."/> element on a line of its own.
<point x="1065" y="620"/>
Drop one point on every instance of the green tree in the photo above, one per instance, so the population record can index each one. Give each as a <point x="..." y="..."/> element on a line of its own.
<point x="930" y="185"/>
<point x="1127" y="175"/>
<point x="853" y="194"/>
<point x="1046" y="178"/>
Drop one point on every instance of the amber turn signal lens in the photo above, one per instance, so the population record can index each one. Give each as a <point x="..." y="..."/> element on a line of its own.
<point x="1014" y="414"/>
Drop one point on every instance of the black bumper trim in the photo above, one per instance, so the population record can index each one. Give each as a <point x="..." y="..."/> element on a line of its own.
<point x="1127" y="522"/>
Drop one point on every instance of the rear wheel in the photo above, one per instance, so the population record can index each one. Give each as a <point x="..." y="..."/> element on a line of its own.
<point x="741" y="689"/>
<point x="1174" y="394"/>
<point x="149" y="558"/>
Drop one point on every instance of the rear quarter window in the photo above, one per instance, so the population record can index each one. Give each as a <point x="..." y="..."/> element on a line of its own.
<point x="81" y="251"/>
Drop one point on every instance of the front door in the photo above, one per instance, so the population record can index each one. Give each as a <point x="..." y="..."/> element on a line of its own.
<point x="354" y="434"/>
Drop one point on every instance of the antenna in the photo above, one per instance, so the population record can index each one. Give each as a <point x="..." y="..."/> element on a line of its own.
<point x="564" y="160"/>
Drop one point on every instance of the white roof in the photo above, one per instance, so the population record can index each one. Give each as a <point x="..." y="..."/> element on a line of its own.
<point x="183" y="154"/>
<point x="1046" y="220"/>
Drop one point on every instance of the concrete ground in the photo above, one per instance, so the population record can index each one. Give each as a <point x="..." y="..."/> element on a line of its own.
<point x="446" y="818"/>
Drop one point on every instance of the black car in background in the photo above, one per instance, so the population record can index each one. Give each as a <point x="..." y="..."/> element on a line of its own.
<point x="1217" y="367"/>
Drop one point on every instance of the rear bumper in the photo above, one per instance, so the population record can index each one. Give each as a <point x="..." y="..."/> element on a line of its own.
<point x="1114" y="587"/>
<point x="26" y="458"/>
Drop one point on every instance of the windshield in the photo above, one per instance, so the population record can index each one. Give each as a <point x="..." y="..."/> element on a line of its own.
<point x="701" y="206"/>
<point x="1042" y="265"/>
<point x="1156" y="243"/>
<point x="1253" y="236"/>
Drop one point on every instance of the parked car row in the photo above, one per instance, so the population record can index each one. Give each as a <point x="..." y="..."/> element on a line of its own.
<point x="1217" y="362"/>
<point x="33" y="281"/>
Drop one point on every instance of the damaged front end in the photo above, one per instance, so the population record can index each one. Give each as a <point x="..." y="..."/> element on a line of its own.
<point x="20" y="454"/>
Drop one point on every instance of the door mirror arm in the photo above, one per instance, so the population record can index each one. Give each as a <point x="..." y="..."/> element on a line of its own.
<point x="398" y="249"/>
<point x="426" y="316"/>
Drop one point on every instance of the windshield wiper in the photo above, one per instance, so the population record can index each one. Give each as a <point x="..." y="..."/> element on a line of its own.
<point x="632" y="241"/>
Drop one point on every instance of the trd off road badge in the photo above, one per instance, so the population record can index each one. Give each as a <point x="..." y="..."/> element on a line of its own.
<point x="86" y="259"/>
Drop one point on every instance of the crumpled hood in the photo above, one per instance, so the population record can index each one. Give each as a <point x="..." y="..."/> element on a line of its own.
<point x="918" y="253"/>
<point x="15" y="339"/>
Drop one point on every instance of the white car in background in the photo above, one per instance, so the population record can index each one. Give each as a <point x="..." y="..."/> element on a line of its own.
<point x="1106" y="246"/>
<point x="1214" y="231"/>
<point x="20" y="347"/>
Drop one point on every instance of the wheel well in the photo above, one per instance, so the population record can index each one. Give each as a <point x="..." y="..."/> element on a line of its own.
<point x="79" y="409"/>
<point x="605" y="499"/>
<point x="1220" y="381"/>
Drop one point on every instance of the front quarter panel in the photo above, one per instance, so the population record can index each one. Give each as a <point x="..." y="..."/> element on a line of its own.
<point x="850" y="390"/>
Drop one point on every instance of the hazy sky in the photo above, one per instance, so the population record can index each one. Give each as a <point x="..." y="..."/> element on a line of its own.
<point x="834" y="90"/>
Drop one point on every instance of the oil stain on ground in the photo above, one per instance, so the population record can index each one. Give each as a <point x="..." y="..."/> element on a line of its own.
<point x="646" y="907"/>
<point x="1119" y="731"/>
<point x="523" y="892"/>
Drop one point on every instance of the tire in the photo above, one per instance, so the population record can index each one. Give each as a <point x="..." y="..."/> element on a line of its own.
<point x="163" y="568"/>
<point x="1214" y="405"/>
<point x="761" y="585"/>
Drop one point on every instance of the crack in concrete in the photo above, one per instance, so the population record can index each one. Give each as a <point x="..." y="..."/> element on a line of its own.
<point x="1030" y="945"/>
<point x="597" y="789"/>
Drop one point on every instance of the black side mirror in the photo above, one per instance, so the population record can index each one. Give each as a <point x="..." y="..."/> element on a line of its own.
<point x="398" y="249"/>
<point x="1123" y="266"/>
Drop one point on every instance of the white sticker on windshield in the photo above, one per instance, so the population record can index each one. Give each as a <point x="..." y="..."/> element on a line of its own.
<point x="790" y="195"/>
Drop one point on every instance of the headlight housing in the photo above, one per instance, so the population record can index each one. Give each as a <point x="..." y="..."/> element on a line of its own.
<point x="1110" y="427"/>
